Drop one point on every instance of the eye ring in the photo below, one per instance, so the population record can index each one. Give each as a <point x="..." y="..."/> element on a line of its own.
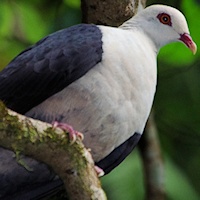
<point x="164" y="19"/>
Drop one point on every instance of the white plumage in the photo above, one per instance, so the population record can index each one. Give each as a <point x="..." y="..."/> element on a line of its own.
<point x="116" y="94"/>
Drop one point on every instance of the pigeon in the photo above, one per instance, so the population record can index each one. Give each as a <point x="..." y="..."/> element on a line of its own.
<point x="100" y="80"/>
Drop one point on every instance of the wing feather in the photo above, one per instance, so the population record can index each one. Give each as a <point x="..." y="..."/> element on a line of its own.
<point x="49" y="66"/>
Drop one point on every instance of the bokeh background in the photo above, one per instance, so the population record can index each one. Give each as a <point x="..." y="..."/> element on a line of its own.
<point x="176" y="105"/>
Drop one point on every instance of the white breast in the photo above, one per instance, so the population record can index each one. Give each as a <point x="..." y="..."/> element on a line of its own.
<point x="113" y="100"/>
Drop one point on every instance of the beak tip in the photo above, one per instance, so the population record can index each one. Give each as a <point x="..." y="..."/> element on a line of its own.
<point x="187" y="40"/>
<point x="193" y="48"/>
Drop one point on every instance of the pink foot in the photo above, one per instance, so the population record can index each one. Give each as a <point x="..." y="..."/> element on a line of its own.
<point x="66" y="127"/>
<point x="99" y="171"/>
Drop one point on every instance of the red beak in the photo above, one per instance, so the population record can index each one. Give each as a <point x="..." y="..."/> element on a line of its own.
<point x="187" y="40"/>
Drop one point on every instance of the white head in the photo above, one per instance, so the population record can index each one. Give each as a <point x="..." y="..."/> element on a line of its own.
<point x="163" y="24"/>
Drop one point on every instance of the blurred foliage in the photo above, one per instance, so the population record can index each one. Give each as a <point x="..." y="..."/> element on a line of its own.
<point x="23" y="22"/>
<point x="176" y="105"/>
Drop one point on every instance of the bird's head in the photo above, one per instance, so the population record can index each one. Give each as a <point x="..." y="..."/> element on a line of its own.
<point x="164" y="24"/>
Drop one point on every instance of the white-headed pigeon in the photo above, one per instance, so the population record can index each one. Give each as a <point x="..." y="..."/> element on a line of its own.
<point x="98" y="79"/>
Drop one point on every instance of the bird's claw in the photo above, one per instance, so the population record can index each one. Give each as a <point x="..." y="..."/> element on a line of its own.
<point x="99" y="171"/>
<point x="73" y="134"/>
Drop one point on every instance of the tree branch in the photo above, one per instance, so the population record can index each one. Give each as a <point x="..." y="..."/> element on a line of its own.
<point x="109" y="12"/>
<point x="72" y="162"/>
<point x="150" y="150"/>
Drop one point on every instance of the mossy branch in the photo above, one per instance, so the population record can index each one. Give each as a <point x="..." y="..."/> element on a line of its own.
<point x="72" y="162"/>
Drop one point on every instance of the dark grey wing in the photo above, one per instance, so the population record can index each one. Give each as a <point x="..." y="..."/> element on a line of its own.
<point x="34" y="75"/>
<point x="49" y="66"/>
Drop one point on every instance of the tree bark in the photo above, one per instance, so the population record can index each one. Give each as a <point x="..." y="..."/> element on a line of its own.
<point x="150" y="150"/>
<point x="109" y="12"/>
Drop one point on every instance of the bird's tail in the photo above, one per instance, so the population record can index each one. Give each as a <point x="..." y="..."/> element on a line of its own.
<point x="38" y="192"/>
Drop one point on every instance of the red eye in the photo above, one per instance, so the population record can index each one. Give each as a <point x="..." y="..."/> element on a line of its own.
<point x="165" y="19"/>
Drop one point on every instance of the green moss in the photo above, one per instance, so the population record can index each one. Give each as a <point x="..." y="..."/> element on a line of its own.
<point x="22" y="133"/>
<point x="8" y="122"/>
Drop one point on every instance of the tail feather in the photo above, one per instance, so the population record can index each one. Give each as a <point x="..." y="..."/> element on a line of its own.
<point x="18" y="183"/>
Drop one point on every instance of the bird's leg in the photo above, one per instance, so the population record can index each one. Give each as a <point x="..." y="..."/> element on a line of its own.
<point x="73" y="134"/>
